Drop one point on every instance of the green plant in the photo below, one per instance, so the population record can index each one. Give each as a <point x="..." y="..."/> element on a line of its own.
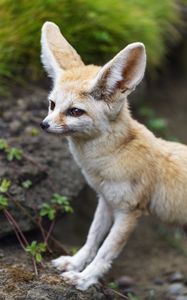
<point x="3" y="144"/>
<point x="26" y="184"/>
<point x="62" y="203"/>
<point x="34" y="131"/>
<point x="58" y="203"/>
<point x="113" y="285"/>
<point x="36" y="250"/>
<point x="3" y="202"/>
<point x="14" y="153"/>
<point x="48" y="210"/>
<point x="4" y="185"/>
<point x="157" y="125"/>
<point x="97" y="29"/>
<point x="11" y="153"/>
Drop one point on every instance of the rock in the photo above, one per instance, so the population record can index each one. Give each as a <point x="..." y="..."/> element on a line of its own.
<point x="181" y="298"/>
<point x="125" y="281"/>
<point x="2" y="296"/>
<point x="45" y="293"/>
<point x="46" y="162"/>
<point x="176" y="289"/>
<point x="48" y="292"/>
<point x="176" y="277"/>
<point x="128" y="291"/>
<point x="158" y="281"/>
<point x="18" y="282"/>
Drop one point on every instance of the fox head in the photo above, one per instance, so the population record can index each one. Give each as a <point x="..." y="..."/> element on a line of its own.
<point x="85" y="99"/>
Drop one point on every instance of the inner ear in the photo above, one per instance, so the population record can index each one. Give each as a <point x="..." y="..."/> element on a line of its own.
<point x="57" y="53"/>
<point x="122" y="73"/>
<point x="133" y="69"/>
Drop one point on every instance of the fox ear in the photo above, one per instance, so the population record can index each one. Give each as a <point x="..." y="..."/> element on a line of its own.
<point x="57" y="53"/>
<point x="123" y="73"/>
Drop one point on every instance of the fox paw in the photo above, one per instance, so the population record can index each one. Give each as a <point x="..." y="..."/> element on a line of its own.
<point x="77" y="279"/>
<point x="63" y="263"/>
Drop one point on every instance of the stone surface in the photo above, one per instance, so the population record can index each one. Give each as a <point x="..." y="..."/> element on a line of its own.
<point x="19" y="282"/>
<point x="48" y="292"/>
<point x="125" y="281"/>
<point x="158" y="281"/>
<point x="176" y="277"/>
<point x="176" y="289"/>
<point x="181" y="298"/>
<point x="47" y="161"/>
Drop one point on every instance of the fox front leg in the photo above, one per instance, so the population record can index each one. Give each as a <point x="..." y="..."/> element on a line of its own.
<point x="112" y="246"/>
<point x="99" y="228"/>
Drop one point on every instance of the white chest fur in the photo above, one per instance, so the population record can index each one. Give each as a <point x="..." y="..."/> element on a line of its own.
<point x="99" y="173"/>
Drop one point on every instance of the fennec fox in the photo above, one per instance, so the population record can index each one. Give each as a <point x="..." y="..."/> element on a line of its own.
<point x="131" y="170"/>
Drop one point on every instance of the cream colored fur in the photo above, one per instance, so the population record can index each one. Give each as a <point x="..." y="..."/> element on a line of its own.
<point x="132" y="171"/>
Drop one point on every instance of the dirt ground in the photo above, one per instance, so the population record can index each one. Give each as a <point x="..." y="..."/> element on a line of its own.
<point x="152" y="256"/>
<point x="19" y="282"/>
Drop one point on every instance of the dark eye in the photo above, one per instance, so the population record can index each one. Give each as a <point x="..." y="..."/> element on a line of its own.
<point x="52" y="105"/>
<point x="75" y="112"/>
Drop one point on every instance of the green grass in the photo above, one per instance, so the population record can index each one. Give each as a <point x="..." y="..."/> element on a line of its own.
<point x="97" y="29"/>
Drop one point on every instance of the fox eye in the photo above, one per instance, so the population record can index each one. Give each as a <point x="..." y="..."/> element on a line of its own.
<point x="75" y="112"/>
<point x="52" y="105"/>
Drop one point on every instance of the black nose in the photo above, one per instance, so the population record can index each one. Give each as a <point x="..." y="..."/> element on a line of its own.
<point x="44" y="125"/>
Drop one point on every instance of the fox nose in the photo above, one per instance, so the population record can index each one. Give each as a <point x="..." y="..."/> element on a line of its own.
<point x="44" y="125"/>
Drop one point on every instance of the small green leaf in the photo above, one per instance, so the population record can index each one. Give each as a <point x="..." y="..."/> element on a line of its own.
<point x="4" y="186"/>
<point x="51" y="214"/>
<point x="38" y="257"/>
<point x="48" y="211"/>
<point x="68" y="209"/>
<point x="113" y="285"/>
<point x="59" y="199"/>
<point x="26" y="184"/>
<point x="42" y="247"/>
<point x="34" y="131"/>
<point x="3" y="202"/>
<point x="33" y="245"/>
<point x="3" y="144"/>
<point x="35" y="249"/>
<point x="14" y="153"/>
<point x="62" y="202"/>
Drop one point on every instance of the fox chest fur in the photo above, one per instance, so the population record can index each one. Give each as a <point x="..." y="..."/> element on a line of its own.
<point x="103" y="174"/>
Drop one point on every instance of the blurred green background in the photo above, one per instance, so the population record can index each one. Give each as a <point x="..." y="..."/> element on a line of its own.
<point x="97" y="29"/>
